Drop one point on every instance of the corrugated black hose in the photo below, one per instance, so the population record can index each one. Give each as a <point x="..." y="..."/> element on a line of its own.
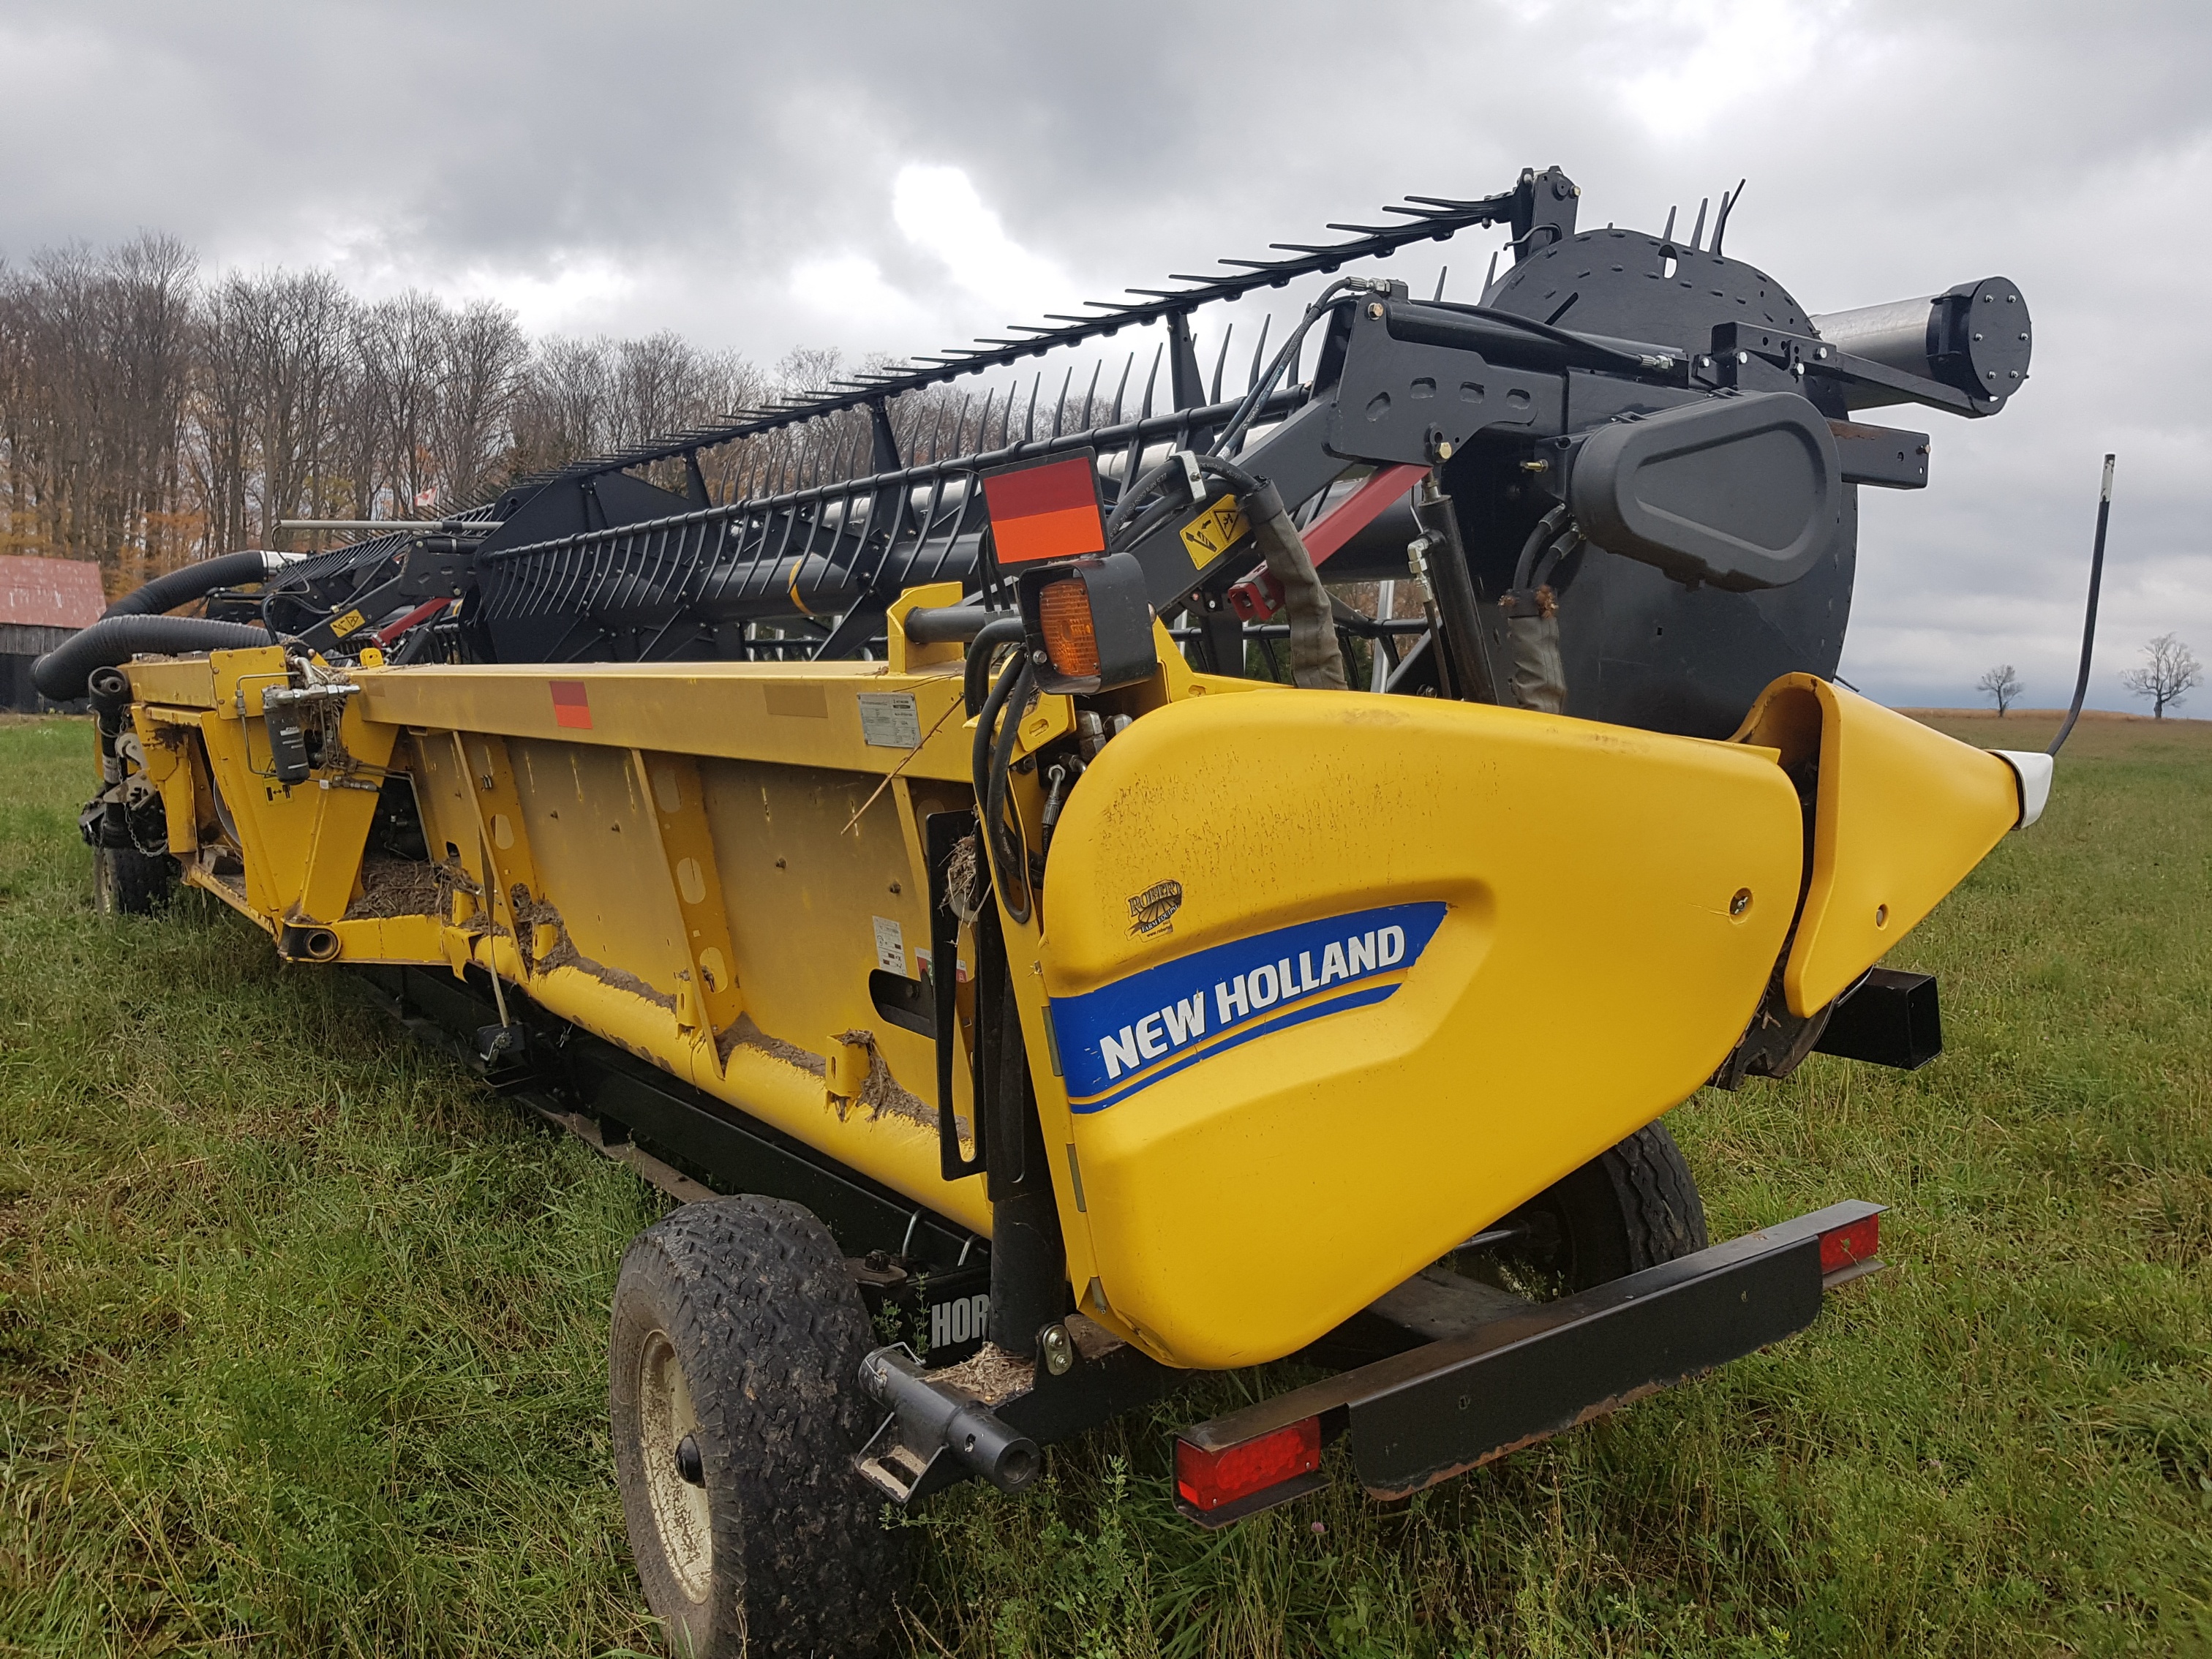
<point x="195" y="580"/>
<point x="60" y="674"/>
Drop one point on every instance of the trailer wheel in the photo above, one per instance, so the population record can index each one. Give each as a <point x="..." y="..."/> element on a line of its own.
<point x="1632" y="1206"/>
<point x="734" y="1391"/>
<point x="126" y="881"/>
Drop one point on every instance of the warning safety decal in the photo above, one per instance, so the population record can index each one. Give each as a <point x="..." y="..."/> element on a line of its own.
<point x="1124" y="1036"/>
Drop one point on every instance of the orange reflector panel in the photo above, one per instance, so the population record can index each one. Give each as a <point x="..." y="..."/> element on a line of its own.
<point x="1070" y="638"/>
<point x="1047" y="512"/>
<point x="1846" y="1247"/>
<point x="572" y="704"/>
<point x="1208" y="1480"/>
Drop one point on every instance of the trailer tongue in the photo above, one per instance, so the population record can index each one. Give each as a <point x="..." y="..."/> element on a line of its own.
<point x="928" y="851"/>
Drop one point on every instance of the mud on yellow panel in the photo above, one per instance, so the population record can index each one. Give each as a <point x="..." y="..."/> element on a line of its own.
<point x="808" y="901"/>
<point x="1337" y="979"/>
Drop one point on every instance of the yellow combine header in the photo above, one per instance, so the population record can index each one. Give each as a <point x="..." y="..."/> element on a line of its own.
<point x="1071" y="1002"/>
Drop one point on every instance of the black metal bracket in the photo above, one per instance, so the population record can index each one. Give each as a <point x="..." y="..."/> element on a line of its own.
<point x="1800" y="354"/>
<point x="1888" y="1018"/>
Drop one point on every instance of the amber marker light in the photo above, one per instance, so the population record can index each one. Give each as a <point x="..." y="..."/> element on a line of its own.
<point x="1064" y="621"/>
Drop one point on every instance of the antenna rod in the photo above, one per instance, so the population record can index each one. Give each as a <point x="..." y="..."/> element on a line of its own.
<point x="2089" y="622"/>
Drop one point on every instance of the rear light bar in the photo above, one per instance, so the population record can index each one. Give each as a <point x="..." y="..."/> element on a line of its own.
<point x="1211" y="1479"/>
<point x="1505" y="1379"/>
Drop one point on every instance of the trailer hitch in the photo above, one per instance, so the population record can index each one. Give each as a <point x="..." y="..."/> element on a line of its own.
<point x="931" y="1420"/>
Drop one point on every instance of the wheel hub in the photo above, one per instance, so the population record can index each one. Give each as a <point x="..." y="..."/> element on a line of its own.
<point x="675" y="1483"/>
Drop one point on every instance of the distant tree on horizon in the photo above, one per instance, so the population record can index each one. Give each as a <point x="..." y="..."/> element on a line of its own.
<point x="2170" y="669"/>
<point x="2001" y="684"/>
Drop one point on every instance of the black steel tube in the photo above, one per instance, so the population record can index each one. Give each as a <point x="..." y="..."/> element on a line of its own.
<point x="1028" y="1265"/>
<point x="976" y="1436"/>
<point x="61" y="674"/>
<point x="1454" y="586"/>
<point x="941" y="624"/>
<point x="1028" y="1258"/>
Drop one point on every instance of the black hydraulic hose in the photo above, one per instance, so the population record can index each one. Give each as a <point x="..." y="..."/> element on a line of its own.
<point x="1126" y="504"/>
<point x="1007" y="851"/>
<point x="1547" y="527"/>
<point x="1226" y="470"/>
<point x="990" y="761"/>
<point x="2089" y="620"/>
<point x="974" y="685"/>
<point x="1434" y="323"/>
<point x="194" y="581"/>
<point x="1263" y="388"/>
<point x="61" y="674"/>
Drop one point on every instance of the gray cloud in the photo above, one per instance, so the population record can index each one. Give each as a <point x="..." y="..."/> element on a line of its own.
<point x="681" y="165"/>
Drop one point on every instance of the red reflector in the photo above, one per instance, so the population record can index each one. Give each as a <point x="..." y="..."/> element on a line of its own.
<point x="1208" y="1480"/>
<point x="1845" y="1246"/>
<point x="1047" y="512"/>
<point x="572" y="705"/>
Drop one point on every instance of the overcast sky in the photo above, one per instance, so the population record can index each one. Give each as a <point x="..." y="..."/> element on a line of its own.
<point x="889" y="177"/>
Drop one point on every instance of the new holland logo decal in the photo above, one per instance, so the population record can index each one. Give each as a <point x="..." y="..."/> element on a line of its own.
<point x="1128" y="1035"/>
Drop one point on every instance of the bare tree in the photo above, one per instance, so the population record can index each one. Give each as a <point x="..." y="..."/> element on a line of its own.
<point x="95" y="354"/>
<point x="2001" y="684"/>
<point x="302" y="327"/>
<point x="401" y="344"/>
<point x="561" y="410"/>
<point x="2169" y="670"/>
<point x="222" y="413"/>
<point x="484" y="354"/>
<point x="586" y="396"/>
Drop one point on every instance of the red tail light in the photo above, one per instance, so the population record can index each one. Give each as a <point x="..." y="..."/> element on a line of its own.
<point x="1208" y="1480"/>
<point x="1848" y="1246"/>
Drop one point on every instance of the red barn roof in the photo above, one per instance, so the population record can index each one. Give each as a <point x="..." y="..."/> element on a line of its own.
<point x="50" y="592"/>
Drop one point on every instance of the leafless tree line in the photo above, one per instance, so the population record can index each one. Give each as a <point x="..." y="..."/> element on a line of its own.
<point x="149" y="416"/>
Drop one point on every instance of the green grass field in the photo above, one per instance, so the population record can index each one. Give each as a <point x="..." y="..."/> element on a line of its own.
<point x="300" y="1332"/>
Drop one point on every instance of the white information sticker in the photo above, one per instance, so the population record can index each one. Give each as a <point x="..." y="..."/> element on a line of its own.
<point x="888" y="719"/>
<point x="890" y="946"/>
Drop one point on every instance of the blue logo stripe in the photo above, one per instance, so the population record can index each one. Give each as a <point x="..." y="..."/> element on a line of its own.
<point x="1297" y="1015"/>
<point x="1125" y="1036"/>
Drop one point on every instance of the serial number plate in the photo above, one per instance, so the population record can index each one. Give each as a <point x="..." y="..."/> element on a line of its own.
<point x="1215" y="530"/>
<point x="888" y="719"/>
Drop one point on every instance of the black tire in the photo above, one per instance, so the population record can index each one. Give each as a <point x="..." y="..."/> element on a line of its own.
<point x="736" y="1325"/>
<point x="1632" y="1206"/>
<point x="126" y="881"/>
